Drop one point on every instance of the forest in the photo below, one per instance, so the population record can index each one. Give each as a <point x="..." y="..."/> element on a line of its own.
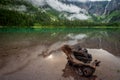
<point x="10" y="16"/>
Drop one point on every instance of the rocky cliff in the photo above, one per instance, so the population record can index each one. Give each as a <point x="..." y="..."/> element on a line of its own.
<point x="112" y="6"/>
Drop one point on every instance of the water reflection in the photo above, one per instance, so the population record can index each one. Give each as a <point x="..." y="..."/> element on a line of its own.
<point x="50" y="57"/>
<point x="76" y="36"/>
<point x="25" y="48"/>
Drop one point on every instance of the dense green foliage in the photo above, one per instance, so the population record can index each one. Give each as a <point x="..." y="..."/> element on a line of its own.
<point x="42" y="18"/>
<point x="10" y="16"/>
<point x="14" y="18"/>
<point x="112" y="19"/>
<point x="114" y="16"/>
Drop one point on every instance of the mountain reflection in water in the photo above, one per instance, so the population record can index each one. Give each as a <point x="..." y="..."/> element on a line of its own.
<point x="36" y="55"/>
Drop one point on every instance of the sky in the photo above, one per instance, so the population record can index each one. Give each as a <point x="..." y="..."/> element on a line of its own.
<point x="89" y="0"/>
<point x="100" y="0"/>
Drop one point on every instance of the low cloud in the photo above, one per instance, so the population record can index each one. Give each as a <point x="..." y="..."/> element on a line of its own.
<point x="68" y="8"/>
<point x="57" y="5"/>
<point x="77" y="12"/>
<point x="38" y="2"/>
<point x="78" y="16"/>
<point x="63" y="7"/>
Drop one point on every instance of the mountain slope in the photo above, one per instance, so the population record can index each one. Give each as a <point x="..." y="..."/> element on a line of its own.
<point x="50" y="12"/>
<point x="21" y="13"/>
<point x="112" y="11"/>
<point x="73" y="9"/>
<point x="96" y="7"/>
<point x="112" y="6"/>
<point x="68" y="10"/>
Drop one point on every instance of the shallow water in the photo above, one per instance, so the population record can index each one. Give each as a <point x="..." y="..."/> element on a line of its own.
<point x="36" y="55"/>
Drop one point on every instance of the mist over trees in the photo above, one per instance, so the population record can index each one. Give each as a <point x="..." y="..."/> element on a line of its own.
<point x="21" y="13"/>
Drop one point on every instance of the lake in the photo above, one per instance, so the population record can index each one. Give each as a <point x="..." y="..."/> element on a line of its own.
<point x="22" y="53"/>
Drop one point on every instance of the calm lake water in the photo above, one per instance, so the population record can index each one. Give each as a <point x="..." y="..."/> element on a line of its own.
<point x="22" y="50"/>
